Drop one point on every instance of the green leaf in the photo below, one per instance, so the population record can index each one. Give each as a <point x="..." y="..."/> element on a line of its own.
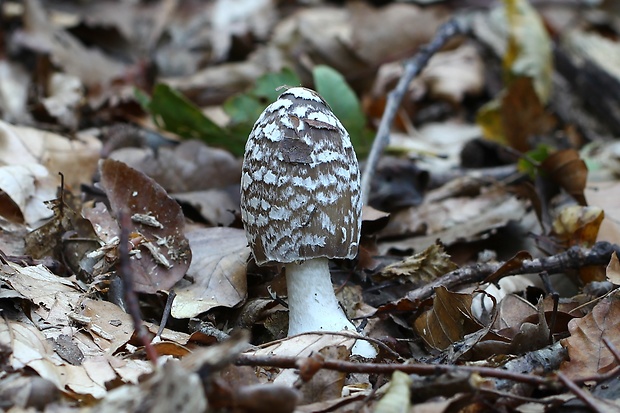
<point x="531" y="161"/>
<point x="175" y="113"/>
<point x="333" y="87"/>
<point x="244" y="109"/>
<point x="268" y="86"/>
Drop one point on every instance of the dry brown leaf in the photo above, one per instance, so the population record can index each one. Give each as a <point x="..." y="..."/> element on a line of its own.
<point x="164" y="253"/>
<point x="578" y="225"/>
<point x="217" y="271"/>
<point x="171" y="389"/>
<point x="325" y="384"/>
<point x="215" y="205"/>
<point x="613" y="269"/>
<point x="109" y="326"/>
<point x="569" y="171"/>
<point x="452" y="219"/>
<point x="449" y="321"/>
<point x="515" y="116"/>
<point x="189" y="166"/>
<point x="452" y="75"/>
<point x="422" y="267"/>
<point x="588" y="354"/>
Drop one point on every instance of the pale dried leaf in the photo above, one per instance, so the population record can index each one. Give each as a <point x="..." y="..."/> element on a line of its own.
<point x="613" y="269"/>
<point x="170" y="389"/>
<point x="218" y="271"/>
<point x="31" y="349"/>
<point x="75" y="158"/>
<point x="301" y="346"/>
<point x="14" y="86"/>
<point x="28" y="186"/>
<point x="215" y="205"/>
<point x="606" y="195"/>
<point x="65" y="96"/>
<point x="43" y="289"/>
<point x="398" y="395"/>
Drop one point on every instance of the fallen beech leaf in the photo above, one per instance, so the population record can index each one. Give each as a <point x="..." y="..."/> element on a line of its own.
<point x="449" y="320"/>
<point x="218" y="271"/>
<point x="164" y="254"/>
<point x="588" y="354"/>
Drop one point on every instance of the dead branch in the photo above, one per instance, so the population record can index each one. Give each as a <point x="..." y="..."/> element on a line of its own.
<point x="413" y="67"/>
<point x="573" y="258"/>
<point x="376" y="368"/>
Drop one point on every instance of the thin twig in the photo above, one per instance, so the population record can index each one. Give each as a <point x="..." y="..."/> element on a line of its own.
<point x="131" y="298"/>
<point x="413" y="67"/>
<point x="573" y="258"/>
<point x="166" y="314"/>
<point x="377" y="368"/>
<point x="582" y="395"/>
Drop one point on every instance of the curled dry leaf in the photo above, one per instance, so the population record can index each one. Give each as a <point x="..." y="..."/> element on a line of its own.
<point x="24" y="190"/>
<point x="163" y="254"/>
<point x="579" y="225"/>
<point x="218" y="272"/>
<point x="588" y="354"/>
<point x="569" y="171"/>
<point x="449" y="320"/>
<point x="422" y="267"/>
<point x="398" y="395"/>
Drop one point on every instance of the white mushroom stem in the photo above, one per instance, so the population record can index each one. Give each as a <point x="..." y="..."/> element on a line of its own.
<point x="313" y="306"/>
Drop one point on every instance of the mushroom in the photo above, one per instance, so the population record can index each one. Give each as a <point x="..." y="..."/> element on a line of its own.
<point x="301" y="205"/>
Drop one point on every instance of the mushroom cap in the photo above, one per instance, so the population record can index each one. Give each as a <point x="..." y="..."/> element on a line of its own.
<point x="300" y="183"/>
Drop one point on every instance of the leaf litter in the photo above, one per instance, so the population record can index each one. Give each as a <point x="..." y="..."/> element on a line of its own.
<point x="491" y="280"/>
